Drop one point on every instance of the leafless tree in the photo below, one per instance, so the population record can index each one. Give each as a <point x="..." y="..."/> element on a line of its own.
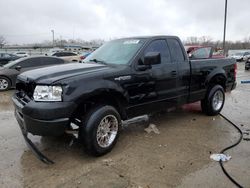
<point x="205" y="40"/>
<point x="192" y="41"/>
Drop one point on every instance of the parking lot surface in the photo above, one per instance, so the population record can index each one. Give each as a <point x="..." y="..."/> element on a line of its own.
<point x="177" y="157"/>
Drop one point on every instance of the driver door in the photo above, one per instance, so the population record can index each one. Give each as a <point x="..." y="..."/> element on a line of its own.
<point x="155" y="88"/>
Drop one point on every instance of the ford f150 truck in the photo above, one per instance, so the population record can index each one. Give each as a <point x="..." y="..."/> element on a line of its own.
<point x="122" y="79"/>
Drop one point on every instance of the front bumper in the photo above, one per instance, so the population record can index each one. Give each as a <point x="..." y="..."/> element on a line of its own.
<point x="43" y="118"/>
<point x="53" y="120"/>
<point x="30" y="144"/>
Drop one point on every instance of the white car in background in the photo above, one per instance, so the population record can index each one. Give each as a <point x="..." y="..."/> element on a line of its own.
<point x="238" y="56"/>
<point x="241" y="56"/>
<point x="246" y="56"/>
<point x="21" y="54"/>
<point x="67" y="56"/>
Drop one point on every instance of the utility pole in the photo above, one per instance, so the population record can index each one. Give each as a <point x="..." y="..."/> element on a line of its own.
<point x="61" y="41"/>
<point x="53" y="37"/>
<point x="225" y="26"/>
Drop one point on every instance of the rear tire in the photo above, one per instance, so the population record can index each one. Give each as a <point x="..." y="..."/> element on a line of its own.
<point x="213" y="103"/>
<point x="100" y="130"/>
<point x="4" y="83"/>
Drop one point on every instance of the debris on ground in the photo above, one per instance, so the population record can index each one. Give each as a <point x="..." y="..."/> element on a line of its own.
<point x="108" y="162"/>
<point x="152" y="128"/>
<point x="219" y="156"/>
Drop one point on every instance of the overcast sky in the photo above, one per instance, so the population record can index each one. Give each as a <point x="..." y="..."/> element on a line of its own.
<point x="29" y="21"/>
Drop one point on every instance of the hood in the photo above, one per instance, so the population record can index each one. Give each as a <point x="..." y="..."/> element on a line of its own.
<point x="52" y="74"/>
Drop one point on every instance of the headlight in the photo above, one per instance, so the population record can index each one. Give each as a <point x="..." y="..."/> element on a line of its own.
<point x="48" y="93"/>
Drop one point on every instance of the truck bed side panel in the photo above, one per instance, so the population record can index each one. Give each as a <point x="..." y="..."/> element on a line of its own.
<point x="202" y="71"/>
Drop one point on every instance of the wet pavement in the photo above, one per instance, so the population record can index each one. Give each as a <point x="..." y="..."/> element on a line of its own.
<point x="177" y="157"/>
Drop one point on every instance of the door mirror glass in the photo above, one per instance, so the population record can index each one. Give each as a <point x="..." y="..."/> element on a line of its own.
<point x="152" y="58"/>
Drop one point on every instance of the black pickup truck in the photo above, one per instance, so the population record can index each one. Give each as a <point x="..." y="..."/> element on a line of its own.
<point x="122" y="79"/>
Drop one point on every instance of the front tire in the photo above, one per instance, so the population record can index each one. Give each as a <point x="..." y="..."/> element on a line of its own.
<point x="100" y="130"/>
<point x="213" y="103"/>
<point x="4" y="83"/>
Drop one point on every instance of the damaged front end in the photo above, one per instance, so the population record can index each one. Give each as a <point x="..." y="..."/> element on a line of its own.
<point x="29" y="143"/>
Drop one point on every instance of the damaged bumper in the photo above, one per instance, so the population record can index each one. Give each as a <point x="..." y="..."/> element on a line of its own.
<point x="29" y="143"/>
<point x="36" y="118"/>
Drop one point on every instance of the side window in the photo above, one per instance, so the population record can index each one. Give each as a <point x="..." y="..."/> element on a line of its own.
<point x="51" y="61"/>
<point x="202" y="53"/>
<point x="175" y="50"/>
<point x="59" y="54"/>
<point x="161" y="47"/>
<point x="6" y="55"/>
<point x="71" y="54"/>
<point x="31" y="62"/>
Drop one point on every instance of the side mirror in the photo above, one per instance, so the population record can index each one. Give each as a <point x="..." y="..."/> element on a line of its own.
<point x="190" y="55"/>
<point x="18" y="68"/>
<point x="152" y="58"/>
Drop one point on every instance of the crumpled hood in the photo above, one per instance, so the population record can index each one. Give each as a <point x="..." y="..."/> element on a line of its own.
<point x="52" y="74"/>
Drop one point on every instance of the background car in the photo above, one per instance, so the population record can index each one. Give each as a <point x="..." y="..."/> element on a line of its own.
<point x="68" y="56"/>
<point x="6" y="57"/>
<point x="246" y="56"/>
<point x="247" y="64"/>
<point x="21" y="54"/>
<point x="9" y="72"/>
<point x="202" y="52"/>
<point x="84" y="55"/>
<point x="240" y="56"/>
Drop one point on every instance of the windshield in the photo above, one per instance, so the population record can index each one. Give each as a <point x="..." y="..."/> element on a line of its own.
<point x="116" y="52"/>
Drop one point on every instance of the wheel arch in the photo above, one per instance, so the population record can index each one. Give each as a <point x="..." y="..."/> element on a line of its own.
<point x="6" y="77"/>
<point x="217" y="78"/>
<point x="109" y="97"/>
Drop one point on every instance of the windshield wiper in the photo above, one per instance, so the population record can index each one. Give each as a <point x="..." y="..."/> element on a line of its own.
<point x="98" y="61"/>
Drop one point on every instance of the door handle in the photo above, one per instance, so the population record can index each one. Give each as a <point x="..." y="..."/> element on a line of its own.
<point x="174" y="73"/>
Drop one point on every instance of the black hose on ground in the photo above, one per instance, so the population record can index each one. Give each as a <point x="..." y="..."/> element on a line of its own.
<point x="229" y="147"/>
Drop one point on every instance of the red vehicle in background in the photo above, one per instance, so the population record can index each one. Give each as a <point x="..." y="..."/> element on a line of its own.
<point x="204" y="52"/>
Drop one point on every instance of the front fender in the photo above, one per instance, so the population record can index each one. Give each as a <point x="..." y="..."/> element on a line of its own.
<point x="80" y="91"/>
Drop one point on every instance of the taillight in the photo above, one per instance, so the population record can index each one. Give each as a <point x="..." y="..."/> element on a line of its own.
<point x="235" y="70"/>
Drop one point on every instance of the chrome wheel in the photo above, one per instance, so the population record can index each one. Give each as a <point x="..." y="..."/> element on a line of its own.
<point x="218" y="99"/>
<point x="107" y="131"/>
<point x="4" y="84"/>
